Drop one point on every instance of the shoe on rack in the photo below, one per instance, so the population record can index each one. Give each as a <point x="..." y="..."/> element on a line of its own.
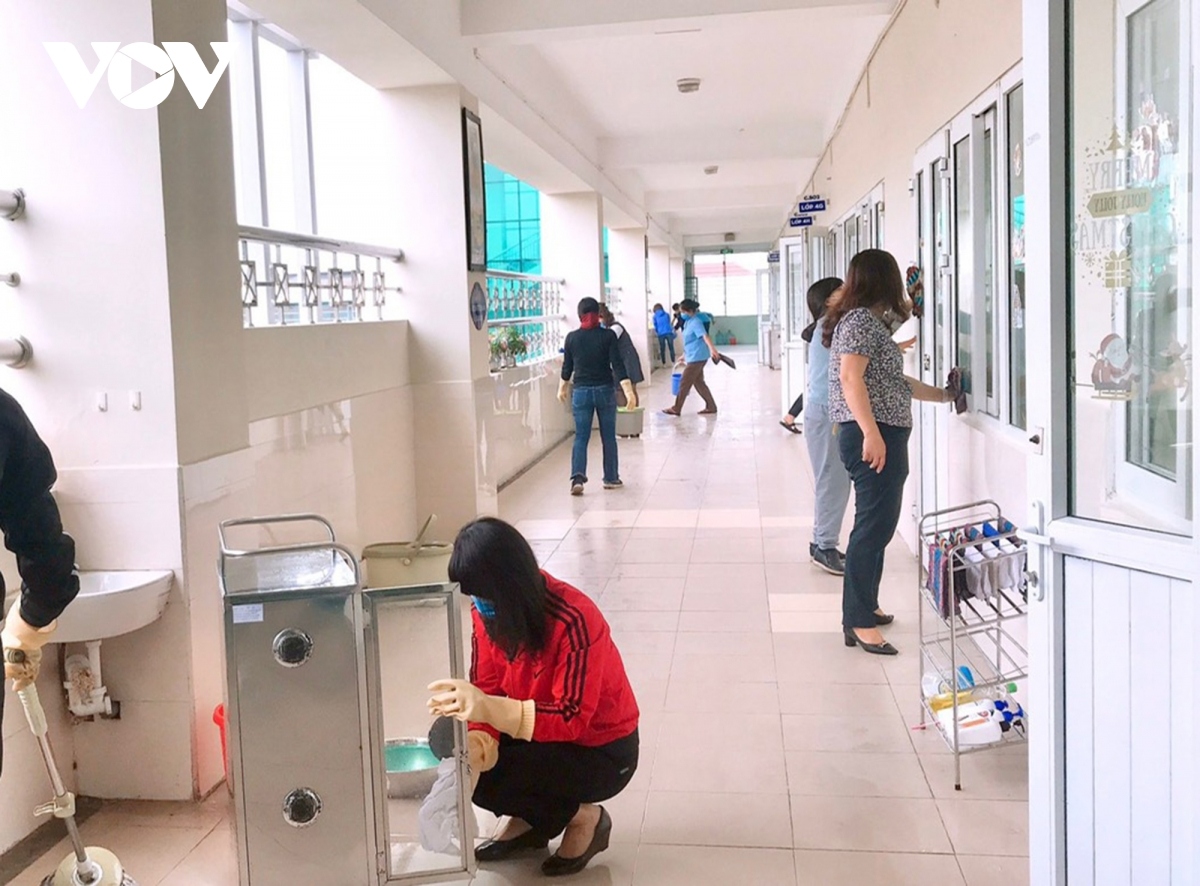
<point x="884" y="648"/>
<point x="557" y="866"/>
<point x="829" y="559"/>
<point x="613" y="484"/>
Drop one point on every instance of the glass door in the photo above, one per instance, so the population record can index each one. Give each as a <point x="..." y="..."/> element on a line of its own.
<point x="794" y="277"/>
<point x="1113" y="619"/>
<point x="424" y="820"/>
<point x="932" y="189"/>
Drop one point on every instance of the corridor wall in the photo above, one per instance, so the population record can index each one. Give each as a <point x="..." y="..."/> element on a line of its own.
<point x="933" y="60"/>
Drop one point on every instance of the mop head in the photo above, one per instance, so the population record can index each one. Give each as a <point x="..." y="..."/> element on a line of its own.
<point x="111" y="872"/>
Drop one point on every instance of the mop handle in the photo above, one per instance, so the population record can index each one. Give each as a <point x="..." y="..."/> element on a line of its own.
<point x="33" y="710"/>
<point x="36" y="716"/>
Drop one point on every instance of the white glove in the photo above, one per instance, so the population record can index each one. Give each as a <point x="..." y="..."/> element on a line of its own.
<point x="462" y="700"/>
<point x="23" y="647"/>
<point x="562" y="391"/>
<point x="631" y="400"/>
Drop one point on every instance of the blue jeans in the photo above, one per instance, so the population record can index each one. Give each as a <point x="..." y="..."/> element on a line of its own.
<point x="664" y="342"/>
<point x="603" y="402"/>
<point x="877" y="502"/>
<point x="831" y="480"/>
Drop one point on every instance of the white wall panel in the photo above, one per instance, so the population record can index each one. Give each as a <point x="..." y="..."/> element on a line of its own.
<point x="1080" y="716"/>
<point x="1131" y="693"/>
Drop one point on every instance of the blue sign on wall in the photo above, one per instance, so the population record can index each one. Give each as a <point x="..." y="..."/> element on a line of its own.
<point x="800" y="221"/>
<point x="812" y="205"/>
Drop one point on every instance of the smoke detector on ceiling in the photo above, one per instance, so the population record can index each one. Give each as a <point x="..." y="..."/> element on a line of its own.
<point x="688" y="84"/>
<point x="710" y="170"/>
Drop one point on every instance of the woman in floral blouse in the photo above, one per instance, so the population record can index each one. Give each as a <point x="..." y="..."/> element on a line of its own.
<point x="870" y="398"/>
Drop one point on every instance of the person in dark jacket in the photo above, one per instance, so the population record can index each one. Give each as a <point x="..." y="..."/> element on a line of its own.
<point x="629" y="356"/>
<point x="33" y="531"/>
<point x="552" y="719"/>
<point x="665" y="330"/>
<point x="677" y="318"/>
<point x="591" y="354"/>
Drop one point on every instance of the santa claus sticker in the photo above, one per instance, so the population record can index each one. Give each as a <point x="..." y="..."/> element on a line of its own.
<point x="1114" y="372"/>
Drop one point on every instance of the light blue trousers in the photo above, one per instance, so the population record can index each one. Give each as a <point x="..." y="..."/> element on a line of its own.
<point x="832" y="481"/>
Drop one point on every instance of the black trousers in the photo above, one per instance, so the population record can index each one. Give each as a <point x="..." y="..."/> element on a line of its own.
<point x="544" y="783"/>
<point x="877" y="502"/>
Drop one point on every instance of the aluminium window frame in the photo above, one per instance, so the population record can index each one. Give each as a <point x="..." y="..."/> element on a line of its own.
<point x="988" y="111"/>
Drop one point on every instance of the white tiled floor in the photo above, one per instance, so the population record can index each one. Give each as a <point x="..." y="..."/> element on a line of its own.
<point x="771" y="753"/>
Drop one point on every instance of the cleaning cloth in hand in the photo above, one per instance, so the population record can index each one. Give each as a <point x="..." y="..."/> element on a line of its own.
<point x="955" y="387"/>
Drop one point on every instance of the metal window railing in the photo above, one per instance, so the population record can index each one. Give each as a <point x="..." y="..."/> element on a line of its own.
<point x="311" y="279"/>
<point x="526" y="322"/>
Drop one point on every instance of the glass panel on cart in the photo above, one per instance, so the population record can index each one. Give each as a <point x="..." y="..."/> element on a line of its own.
<point x="414" y="643"/>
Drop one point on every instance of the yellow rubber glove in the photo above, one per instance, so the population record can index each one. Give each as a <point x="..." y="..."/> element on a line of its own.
<point x="562" y="391"/>
<point x="23" y="647"/>
<point x="631" y="400"/>
<point x="463" y="701"/>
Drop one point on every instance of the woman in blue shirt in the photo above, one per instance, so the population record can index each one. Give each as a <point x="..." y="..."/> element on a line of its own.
<point x="665" y="331"/>
<point x="697" y="348"/>
<point x="831" y="481"/>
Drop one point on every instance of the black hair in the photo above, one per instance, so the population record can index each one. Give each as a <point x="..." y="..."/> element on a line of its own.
<point x="818" y="298"/>
<point x="658" y="306"/>
<point x="873" y="281"/>
<point x="588" y="306"/>
<point x="675" y="307"/>
<point x="689" y="304"/>
<point x="493" y="561"/>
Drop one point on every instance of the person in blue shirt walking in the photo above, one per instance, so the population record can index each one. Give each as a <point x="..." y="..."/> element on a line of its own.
<point x="697" y="348"/>
<point x="665" y="331"/>
<point x="831" y="480"/>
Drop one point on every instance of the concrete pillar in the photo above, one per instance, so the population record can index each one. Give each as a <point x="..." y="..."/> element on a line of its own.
<point x="627" y="269"/>
<point x="678" y="286"/>
<point x="573" y="245"/>
<point x="448" y="356"/>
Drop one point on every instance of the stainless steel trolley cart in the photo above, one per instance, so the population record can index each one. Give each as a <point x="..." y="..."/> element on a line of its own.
<point x="326" y="682"/>
<point x="976" y="592"/>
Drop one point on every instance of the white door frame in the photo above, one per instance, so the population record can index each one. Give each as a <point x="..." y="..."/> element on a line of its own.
<point x="935" y="471"/>
<point x="1053" y="533"/>
<point x="794" y="353"/>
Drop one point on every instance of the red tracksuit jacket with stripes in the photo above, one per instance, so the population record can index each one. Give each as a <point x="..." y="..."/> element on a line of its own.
<point x="577" y="681"/>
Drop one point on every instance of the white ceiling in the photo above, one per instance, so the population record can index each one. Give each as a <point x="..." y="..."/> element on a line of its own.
<point x="582" y="94"/>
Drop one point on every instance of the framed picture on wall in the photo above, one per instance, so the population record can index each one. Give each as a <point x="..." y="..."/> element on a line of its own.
<point x="473" y="180"/>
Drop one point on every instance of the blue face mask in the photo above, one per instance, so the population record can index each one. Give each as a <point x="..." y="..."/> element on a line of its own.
<point x="484" y="607"/>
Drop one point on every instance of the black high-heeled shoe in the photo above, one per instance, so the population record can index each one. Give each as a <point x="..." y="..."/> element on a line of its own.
<point x="557" y="866"/>
<point x="884" y="648"/>
<point x="498" y="850"/>
<point x="882" y="619"/>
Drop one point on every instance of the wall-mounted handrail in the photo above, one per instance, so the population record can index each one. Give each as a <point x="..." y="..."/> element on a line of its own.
<point x="309" y="241"/>
<point x="12" y="204"/>
<point x="511" y="275"/>
<point x="16" y="352"/>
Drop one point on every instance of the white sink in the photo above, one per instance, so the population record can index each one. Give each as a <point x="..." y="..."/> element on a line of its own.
<point x="114" y="603"/>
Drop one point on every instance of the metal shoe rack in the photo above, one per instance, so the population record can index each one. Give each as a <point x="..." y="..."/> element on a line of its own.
<point x="973" y="595"/>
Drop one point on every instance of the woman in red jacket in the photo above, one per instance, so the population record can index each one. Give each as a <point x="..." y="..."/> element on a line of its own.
<point x="552" y="717"/>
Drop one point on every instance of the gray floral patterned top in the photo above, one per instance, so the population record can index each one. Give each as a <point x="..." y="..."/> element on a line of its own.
<point x="861" y="332"/>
